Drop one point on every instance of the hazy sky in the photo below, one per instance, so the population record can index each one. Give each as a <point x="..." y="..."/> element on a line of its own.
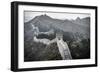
<point x="28" y="15"/>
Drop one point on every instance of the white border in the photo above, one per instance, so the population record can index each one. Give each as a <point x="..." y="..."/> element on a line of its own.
<point x="22" y="64"/>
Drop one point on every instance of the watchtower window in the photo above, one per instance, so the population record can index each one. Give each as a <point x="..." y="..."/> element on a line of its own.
<point x="59" y="38"/>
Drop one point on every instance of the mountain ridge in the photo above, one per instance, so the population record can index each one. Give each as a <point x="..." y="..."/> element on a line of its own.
<point x="46" y="23"/>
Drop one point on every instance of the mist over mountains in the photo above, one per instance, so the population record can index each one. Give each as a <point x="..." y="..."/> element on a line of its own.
<point x="45" y="23"/>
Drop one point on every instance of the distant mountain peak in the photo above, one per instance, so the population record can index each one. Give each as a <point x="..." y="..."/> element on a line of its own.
<point x="45" y="16"/>
<point x="78" y="19"/>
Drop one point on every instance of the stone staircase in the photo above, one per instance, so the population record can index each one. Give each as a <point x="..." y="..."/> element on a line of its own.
<point x="64" y="50"/>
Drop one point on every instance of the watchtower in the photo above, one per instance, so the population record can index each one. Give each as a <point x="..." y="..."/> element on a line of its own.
<point x="59" y="36"/>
